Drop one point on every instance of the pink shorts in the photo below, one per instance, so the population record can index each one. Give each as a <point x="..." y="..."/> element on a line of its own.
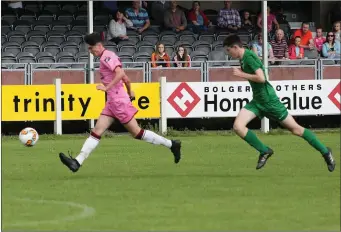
<point x="120" y="109"/>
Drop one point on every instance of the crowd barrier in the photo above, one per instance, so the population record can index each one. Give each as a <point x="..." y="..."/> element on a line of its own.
<point x="33" y="74"/>
<point x="199" y="91"/>
<point x="164" y="100"/>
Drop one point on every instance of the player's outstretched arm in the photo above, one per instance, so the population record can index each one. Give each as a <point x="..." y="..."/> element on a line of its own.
<point x="257" y="77"/>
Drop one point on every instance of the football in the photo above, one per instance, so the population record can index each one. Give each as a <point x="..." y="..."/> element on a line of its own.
<point x="28" y="136"/>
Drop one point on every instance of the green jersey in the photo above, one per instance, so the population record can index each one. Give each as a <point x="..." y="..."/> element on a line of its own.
<point x="262" y="92"/>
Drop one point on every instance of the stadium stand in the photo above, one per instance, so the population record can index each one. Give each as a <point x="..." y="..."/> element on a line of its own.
<point x="53" y="32"/>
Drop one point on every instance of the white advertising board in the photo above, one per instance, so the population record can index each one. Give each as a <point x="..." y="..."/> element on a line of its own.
<point x="225" y="99"/>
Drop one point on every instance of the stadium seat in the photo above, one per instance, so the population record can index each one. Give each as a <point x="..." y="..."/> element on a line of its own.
<point x="208" y="37"/>
<point x="202" y="45"/>
<point x="59" y="66"/>
<point x="310" y="54"/>
<point x="168" y="36"/>
<point x="51" y="47"/>
<point x="82" y="57"/>
<point x="7" y="55"/>
<point x="145" y="46"/>
<point x="198" y="56"/>
<point x="45" y="57"/>
<point x="5" y="29"/>
<point x="30" y="46"/>
<point x="69" y="46"/>
<point x="70" y="8"/>
<point x="217" y="45"/>
<point x="189" y="38"/>
<point x="12" y="47"/>
<point x="26" y="57"/>
<point x="9" y="18"/>
<point x="65" y="57"/>
<point x="28" y="16"/>
<point x="141" y="57"/>
<point x="42" y="26"/>
<point x="217" y="56"/>
<point x="55" y="36"/>
<point x="16" y="36"/>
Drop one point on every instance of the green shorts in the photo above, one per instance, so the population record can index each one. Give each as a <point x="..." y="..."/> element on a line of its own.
<point x="274" y="110"/>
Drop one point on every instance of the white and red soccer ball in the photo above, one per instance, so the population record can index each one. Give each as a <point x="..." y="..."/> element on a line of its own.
<point x="28" y="136"/>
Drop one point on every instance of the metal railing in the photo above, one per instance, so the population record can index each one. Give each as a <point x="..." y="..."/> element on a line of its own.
<point x="198" y="71"/>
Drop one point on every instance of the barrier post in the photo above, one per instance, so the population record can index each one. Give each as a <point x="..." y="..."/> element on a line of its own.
<point x="91" y="57"/>
<point x="163" y="100"/>
<point x="265" y="121"/>
<point x="58" y="121"/>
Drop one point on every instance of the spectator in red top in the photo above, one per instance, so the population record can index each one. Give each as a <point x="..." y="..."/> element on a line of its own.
<point x="319" y="40"/>
<point x="306" y="36"/>
<point x="271" y="20"/>
<point x="295" y="51"/>
<point x="198" y="20"/>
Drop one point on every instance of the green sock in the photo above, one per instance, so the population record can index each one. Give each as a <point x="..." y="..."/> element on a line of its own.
<point x="314" y="142"/>
<point x="253" y="141"/>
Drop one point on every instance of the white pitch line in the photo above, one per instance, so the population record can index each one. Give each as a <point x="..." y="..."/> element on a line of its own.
<point x="87" y="211"/>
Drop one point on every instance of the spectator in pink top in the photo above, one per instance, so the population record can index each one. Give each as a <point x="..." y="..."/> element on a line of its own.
<point x="271" y="20"/>
<point x="319" y="40"/>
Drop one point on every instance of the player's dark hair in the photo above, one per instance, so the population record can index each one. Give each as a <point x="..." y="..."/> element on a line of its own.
<point x="93" y="38"/>
<point x="232" y="40"/>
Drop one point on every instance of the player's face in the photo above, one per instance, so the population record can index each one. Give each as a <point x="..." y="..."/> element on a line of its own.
<point x="95" y="50"/>
<point x="232" y="51"/>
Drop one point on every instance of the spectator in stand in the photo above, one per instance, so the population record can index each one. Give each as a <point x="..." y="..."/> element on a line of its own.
<point x="182" y="59"/>
<point x="138" y="16"/>
<point x="295" y="50"/>
<point x="270" y="21"/>
<point x="160" y="58"/>
<point x="117" y="30"/>
<point x="319" y="40"/>
<point x="158" y="11"/>
<point x="198" y="20"/>
<point x="229" y="18"/>
<point x="246" y="22"/>
<point x="331" y="48"/>
<point x="279" y="45"/>
<point x="337" y="30"/>
<point x="175" y="18"/>
<point x="257" y="47"/>
<point x="306" y="36"/>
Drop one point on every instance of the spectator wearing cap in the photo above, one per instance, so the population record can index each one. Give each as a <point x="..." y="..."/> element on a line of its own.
<point x="295" y="50"/>
<point x="331" y="48"/>
<point x="306" y="36"/>
<point x="319" y="40"/>
<point x="279" y="45"/>
<point x="229" y="18"/>
<point x="271" y="20"/>
<point x="337" y="30"/>
<point x="160" y="58"/>
<point x="175" y="18"/>
<point x="199" y="21"/>
<point x="138" y="16"/>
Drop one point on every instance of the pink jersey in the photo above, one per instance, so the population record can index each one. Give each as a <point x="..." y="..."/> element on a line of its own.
<point x="108" y="63"/>
<point x="319" y="42"/>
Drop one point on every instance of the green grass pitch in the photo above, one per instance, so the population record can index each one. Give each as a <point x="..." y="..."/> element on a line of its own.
<point x="130" y="185"/>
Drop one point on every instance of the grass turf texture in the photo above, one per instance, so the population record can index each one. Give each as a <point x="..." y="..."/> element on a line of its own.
<point x="132" y="185"/>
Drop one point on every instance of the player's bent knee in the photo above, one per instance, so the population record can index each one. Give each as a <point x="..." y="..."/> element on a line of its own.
<point x="297" y="131"/>
<point x="238" y="128"/>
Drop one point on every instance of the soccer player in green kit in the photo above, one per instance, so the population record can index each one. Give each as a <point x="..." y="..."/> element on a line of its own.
<point x="265" y="102"/>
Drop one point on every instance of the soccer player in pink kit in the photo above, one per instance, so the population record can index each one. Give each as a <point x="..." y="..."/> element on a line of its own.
<point x="118" y="106"/>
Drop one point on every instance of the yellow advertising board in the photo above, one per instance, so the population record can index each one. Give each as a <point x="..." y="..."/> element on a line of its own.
<point x="78" y="101"/>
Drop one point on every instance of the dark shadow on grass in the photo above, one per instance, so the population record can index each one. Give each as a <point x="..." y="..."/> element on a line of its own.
<point x="80" y="176"/>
